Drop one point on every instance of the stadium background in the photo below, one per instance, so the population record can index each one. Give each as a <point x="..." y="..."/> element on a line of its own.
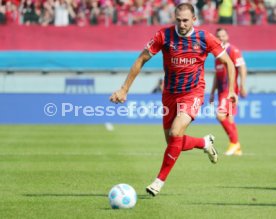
<point x="54" y="166"/>
<point x="93" y="61"/>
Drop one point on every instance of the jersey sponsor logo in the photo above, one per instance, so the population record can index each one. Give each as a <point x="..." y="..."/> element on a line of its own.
<point x="183" y="61"/>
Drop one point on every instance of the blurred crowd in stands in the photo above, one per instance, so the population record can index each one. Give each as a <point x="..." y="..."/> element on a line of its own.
<point x="133" y="12"/>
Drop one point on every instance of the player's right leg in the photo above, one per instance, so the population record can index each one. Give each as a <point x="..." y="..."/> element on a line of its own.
<point x="173" y="150"/>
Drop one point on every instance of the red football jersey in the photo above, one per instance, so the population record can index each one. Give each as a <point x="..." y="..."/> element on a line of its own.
<point x="221" y="70"/>
<point x="184" y="57"/>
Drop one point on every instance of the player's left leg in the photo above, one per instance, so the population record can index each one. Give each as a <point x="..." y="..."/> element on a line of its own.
<point x="226" y="112"/>
<point x="225" y="115"/>
<point x="228" y="125"/>
<point x="223" y="118"/>
<point x="190" y="143"/>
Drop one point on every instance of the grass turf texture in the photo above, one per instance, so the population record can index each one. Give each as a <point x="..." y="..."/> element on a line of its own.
<point x="67" y="172"/>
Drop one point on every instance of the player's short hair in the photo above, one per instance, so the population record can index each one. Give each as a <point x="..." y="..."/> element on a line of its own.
<point x="220" y="29"/>
<point x="184" y="6"/>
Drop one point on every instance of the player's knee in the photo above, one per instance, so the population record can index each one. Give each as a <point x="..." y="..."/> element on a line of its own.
<point x="231" y="119"/>
<point x="175" y="132"/>
<point x="221" y="117"/>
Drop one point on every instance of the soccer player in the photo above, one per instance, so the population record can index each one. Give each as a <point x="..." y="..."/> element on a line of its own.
<point x="184" y="51"/>
<point x="226" y="111"/>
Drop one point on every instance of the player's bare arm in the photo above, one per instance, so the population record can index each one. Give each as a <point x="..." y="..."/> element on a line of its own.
<point x="214" y="87"/>
<point x="120" y="95"/>
<point x="243" y="74"/>
<point x="225" y="59"/>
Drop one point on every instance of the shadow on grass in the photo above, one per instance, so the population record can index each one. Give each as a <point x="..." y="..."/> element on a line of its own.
<point x="249" y="187"/>
<point x="239" y="204"/>
<point x="144" y="197"/>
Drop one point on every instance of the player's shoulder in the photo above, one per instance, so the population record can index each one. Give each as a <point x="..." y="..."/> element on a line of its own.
<point x="233" y="48"/>
<point x="163" y="32"/>
<point x="202" y="31"/>
<point x="164" y="29"/>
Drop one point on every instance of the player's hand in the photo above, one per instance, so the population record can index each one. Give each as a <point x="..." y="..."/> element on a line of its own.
<point x="243" y="92"/>
<point x="212" y="98"/>
<point x="118" y="96"/>
<point x="233" y="97"/>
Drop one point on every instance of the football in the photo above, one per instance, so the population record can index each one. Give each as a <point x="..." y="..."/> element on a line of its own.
<point x="122" y="196"/>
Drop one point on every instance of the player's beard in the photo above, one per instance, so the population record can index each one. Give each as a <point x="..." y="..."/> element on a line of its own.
<point x="184" y="31"/>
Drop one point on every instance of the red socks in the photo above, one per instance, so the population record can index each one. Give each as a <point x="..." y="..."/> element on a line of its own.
<point x="231" y="130"/>
<point x="191" y="142"/>
<point x="235" y="137"/>
<point x="175" y="146"/>
<point x="171" y="154"/>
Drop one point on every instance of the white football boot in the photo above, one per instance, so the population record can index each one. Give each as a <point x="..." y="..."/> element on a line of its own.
<point x="210" y="149"/>
<point x="154" y="188"/>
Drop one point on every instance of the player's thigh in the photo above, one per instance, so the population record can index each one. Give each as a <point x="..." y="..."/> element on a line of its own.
<point x="231" y="118"/>
<point x="168" y="132"/>
<point x="180" y="124"/>
<point x="221" y="116"/>
<point x="190" y="104"/>
<point x="226" y="109"/>
<point x="222" y="106"/>
<point x="169" y="110"/>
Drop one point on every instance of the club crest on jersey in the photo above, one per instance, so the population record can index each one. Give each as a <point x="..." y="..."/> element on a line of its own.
<point x="196" y="46"/>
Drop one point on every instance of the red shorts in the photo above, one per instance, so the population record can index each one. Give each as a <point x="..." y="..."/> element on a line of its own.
<point x="188" y="103"/>
<point x="226" y="106"/>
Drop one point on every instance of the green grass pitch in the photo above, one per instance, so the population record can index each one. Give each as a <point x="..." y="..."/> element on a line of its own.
<point x="67" y="172"/>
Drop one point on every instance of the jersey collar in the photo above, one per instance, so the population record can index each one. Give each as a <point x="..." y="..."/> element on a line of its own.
<point x="186" y="35"/>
